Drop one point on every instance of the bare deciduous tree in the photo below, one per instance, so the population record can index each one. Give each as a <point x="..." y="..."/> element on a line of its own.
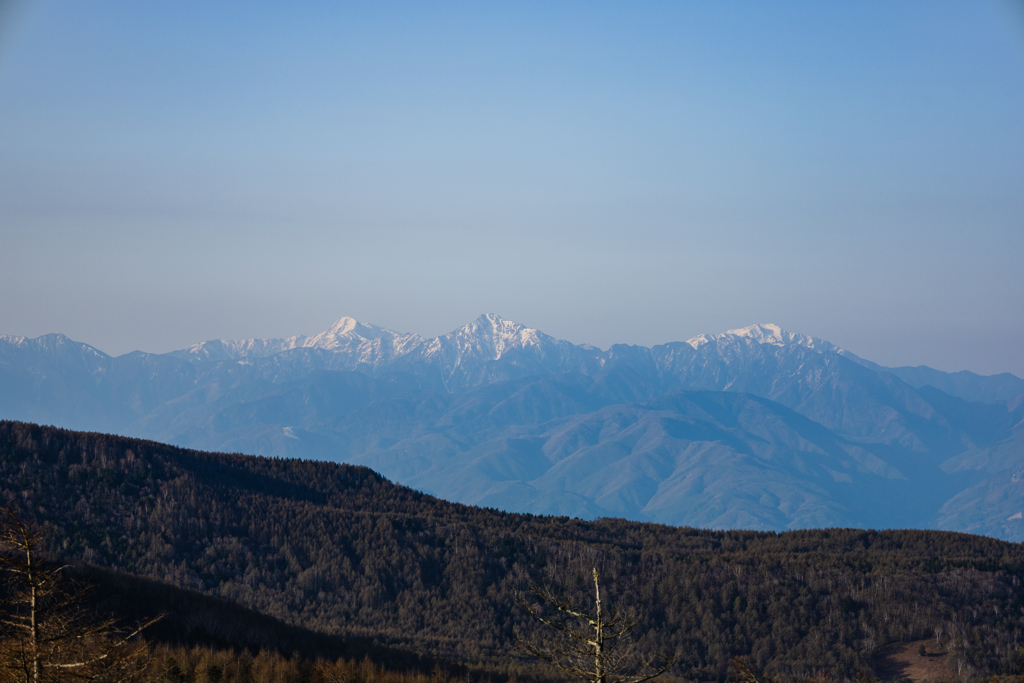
<point x="595" y="647"/>
<point x="46" y="634"/>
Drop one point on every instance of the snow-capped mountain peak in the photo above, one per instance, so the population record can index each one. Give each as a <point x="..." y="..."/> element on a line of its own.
<point x="768" y="333"/>
<point x="486" y="338"/>
<point x="501" y="335"/>
<point x="465" y="355"/>
<point x="348" y="330"/>
<point x="344" y="325"/>
<point x="773" y="334"/>
<point x="228" y="349"/>
<point x="364" y="344"/>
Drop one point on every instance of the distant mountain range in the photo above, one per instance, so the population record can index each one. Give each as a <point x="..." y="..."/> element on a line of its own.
<point x="754" y="428"/>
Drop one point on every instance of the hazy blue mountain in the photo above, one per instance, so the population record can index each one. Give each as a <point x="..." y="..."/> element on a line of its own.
<point x="486" y="350"/>
<point x="994" y="505"/>
<point x="715" y="459"/>
<point x="814" y="379"/>
<point x="811" y="376"/>
<point x="756" y="427"/>
<point x="963" y="384"/>
<point x="54" y="380"/>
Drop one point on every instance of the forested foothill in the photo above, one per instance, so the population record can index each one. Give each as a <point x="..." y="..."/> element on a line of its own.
<point x="154" y="632"/>
<point x="342" y="552"/>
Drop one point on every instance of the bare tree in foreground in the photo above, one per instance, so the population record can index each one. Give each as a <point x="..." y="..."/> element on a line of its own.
<point x="594" y="647"/>
<point x="46" y="635"/>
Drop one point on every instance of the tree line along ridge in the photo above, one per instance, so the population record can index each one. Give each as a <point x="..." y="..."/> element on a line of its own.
<point x="343" y="552"/>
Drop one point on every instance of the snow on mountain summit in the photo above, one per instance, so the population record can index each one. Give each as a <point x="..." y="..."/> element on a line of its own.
<point x="344" y="325"/>
<point x="363" y="344"/>
<point x="768" y="333"/>
<point x="348" y="330"/>
<point x="485" y="339"/>
<point x="773" y="334"/>
<point x="464" y="352"/>
<point x="224" y="349"/>
<point x="499" y="335"/>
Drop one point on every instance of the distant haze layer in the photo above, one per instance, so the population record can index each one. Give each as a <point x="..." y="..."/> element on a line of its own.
<point x="609" y="173"/>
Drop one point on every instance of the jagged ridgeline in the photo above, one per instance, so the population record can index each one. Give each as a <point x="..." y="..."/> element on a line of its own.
<point x="342" y="551"/>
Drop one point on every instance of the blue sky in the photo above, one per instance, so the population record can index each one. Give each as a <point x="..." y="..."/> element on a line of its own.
<point x="607" y="172"/>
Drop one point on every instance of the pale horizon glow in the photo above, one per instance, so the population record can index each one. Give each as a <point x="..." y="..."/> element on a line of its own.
<point x="604" y="173"/>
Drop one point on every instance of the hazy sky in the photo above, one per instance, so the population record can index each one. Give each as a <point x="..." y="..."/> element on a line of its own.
<point x="607" y="172"/>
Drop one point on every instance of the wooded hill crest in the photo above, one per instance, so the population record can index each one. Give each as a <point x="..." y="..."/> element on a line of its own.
<point x="340" y="550"/>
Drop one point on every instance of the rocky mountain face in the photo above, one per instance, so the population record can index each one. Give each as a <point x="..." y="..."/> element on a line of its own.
<point x="753" y="428"/>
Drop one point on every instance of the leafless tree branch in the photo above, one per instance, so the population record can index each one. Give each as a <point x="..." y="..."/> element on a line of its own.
<point x="45" y="635"/>
<point x="593" y="646"/>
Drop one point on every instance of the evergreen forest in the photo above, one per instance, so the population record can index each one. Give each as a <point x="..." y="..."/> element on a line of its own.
<point x="285" y="558"/>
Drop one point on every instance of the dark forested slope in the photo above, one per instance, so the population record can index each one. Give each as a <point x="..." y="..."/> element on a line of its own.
<point x="341" y="550"/>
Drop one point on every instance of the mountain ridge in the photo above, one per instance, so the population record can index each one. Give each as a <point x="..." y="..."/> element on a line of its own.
<point x="481" y="415"/>
<point x="347" y="333"/>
